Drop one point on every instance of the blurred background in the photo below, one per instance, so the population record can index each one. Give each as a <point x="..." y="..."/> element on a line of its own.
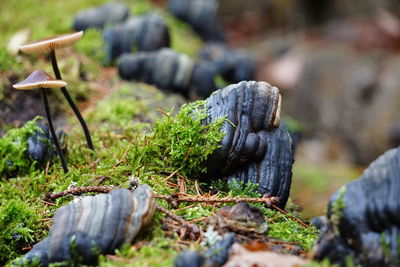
<point x="337" y="66"/>
<point x="336" y="63"/>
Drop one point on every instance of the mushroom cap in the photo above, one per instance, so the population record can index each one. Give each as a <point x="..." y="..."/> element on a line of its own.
<point x="39" y="79"/>
<point x="51" y="43"/>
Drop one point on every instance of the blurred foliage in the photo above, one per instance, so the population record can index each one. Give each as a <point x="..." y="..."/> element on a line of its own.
<point x="92" y="45"/>
<point x="314" y="183"/>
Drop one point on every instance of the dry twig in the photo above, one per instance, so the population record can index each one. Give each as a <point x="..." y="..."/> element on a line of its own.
<point x="176" y="198"/>
<point x="78" y="191"/>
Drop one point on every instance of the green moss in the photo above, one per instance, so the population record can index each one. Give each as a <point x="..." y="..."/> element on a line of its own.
<point x="13" y="150"/>
<point x="17" y="224"/>
<point x="285" y="228"/>
<point x="387" y="252"/>
<point x="180" y="143"/>
<point x="119" y="111"/>
<point x="337" y="209"/>
<point x="7" y="61"/>
<point x="280" y="226"/>
<point x="160" y="252"/>
<point x="324" y="263"/>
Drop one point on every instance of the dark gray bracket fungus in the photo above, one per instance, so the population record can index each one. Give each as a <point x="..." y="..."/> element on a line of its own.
<point x="201" y="15"/>
<point x="250" y="108"/>
<point x="40" y="145"/>
<point x="364" y="217"/>
<point x="148" y="32"/>
<point x="169" y="71"/>
<point x="233" y="65"/>
<point x="101" y="16"/>
<point x="95" y="225"/>
<point x="273" y="173"/>
<point x="254" y="147"/>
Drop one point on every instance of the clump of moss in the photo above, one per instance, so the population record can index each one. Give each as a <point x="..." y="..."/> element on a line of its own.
<point x="13" y="150"/>
<point x="17" y="221"/>
<point x="180" y="143"/>
<point x="284" y="228"/>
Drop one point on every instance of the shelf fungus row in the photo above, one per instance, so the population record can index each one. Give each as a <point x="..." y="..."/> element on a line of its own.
<point x="363" y="217"/>
<point x="123" y="33"/>
<point x="201" y="15"/>
<point x="255" y="147"/>
<point x="100" y="17"/>
<point x="168" y="70"/>
<point x="233" y="65"/>
<point x="95" y="225"/>
<point x="148" y="32"/>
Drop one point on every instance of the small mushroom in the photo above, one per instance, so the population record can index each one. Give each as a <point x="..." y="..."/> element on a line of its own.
<point x="49" y="45"/>
<point x="41" y="80"/>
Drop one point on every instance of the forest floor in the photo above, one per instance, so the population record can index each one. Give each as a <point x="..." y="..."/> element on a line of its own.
<point x="130" y="129"/>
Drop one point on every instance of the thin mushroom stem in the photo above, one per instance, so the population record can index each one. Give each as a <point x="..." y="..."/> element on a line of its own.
<point x="53" y="133"/>
<point x="70" y="101"/>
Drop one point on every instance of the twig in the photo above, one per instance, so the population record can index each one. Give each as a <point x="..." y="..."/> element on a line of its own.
<point x="177" y="198"/>
<point x="164" y="112"/>
<point x="290" y="216"/>
<point x="172" y="215"/>
<point x="170" y="176"/>
<point x="269" y="201"/>
<point x="47" y="203"/>
<point x="188" y="154"/>
<point x="124" y="155"/>
<point x="182" y="185"/>
<point x="187" y="229"/>
<point x="78" y="191"/>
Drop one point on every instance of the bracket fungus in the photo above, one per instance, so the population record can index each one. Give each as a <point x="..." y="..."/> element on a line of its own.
<point x="40" y="145"/>
<point x="49" y="45"/>
<point x="168" y="70"/>
<point x="233" y="65"/>
<point x="148" y="32"/>
<point x="201" y="15"/>
<point x="95" y="225"/>
<point x="256" y="147"/>
<point x="100" y="17"/>
<point x="363" y="221"/>
<point x="41" y="80"/>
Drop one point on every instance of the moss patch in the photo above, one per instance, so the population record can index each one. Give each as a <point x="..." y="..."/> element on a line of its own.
<point x="14" y="157"/>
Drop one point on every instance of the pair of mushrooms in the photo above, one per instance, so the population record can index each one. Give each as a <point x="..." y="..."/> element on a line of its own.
<point x="41" y="80"/>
